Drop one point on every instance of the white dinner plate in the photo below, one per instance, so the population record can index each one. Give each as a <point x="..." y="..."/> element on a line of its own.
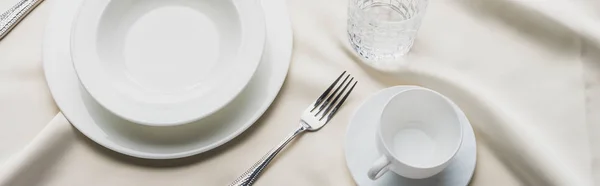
<point x="361" y="148"/>
<point x="164" y="63"/>
<point x="150" y="142"/>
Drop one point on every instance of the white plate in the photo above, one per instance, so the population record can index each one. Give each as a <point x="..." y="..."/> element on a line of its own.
<point x="143" y="141"/>
<point x="161" y="63"/>
<point x="361" y="150"/>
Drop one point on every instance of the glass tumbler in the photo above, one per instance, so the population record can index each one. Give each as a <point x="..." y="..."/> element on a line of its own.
<point x="384" y="30"/>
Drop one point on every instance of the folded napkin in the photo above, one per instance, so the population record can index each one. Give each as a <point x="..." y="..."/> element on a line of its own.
<point x="525" y="72"/>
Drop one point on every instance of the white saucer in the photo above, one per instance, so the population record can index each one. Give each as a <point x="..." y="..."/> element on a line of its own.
<point x="149" y="142"/>
<point x="165" y="63"/>
<point x="361" y="150"/>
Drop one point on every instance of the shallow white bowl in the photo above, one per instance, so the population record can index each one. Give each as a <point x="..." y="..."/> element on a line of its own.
<point x="164" y="63"/>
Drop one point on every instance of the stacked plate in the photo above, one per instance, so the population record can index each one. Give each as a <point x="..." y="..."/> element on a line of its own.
<point x="166" y="79"/>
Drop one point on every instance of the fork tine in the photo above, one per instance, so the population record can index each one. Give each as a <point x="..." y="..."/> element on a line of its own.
<point x="328" y="100"/>
<point x="337" y="107"/>
<point x="330" y="106"/>
<point x="322" y="97"/>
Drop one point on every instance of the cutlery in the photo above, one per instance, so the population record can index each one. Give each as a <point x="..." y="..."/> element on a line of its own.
<point x="313" y="118"/>
<point x="10" y="18"/>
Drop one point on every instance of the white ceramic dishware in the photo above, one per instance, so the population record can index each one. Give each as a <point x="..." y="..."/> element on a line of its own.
<point x="361" y="147"/>
<point x="164" y="63"/>
<point x="418" y="134"/>
<point x="117" y="134"/>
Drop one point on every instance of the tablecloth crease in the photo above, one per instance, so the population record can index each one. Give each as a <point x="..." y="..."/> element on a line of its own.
<point x="591" y="64"/>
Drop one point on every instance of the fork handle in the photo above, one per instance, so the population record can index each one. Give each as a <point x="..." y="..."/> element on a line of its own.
<point x="15" y="14"/>
<point x="252" y="174"/>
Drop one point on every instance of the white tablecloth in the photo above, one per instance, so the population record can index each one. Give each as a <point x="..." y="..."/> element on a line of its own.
<point x="526" y="72"/>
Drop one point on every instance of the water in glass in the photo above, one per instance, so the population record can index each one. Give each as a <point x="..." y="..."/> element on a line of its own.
<point x="384" y="30"/>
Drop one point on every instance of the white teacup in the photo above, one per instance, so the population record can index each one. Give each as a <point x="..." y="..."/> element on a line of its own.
<point x="419" y="133"/>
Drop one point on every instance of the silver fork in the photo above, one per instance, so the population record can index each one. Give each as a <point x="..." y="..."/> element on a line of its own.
<point x="10" y="18"/>
<point x="313" y="118"/>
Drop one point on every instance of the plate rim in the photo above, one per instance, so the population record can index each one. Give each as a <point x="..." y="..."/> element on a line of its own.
<point x="279" y="7"/>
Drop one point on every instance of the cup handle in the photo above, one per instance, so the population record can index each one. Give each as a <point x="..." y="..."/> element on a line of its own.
<point x="380" y="167"/>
